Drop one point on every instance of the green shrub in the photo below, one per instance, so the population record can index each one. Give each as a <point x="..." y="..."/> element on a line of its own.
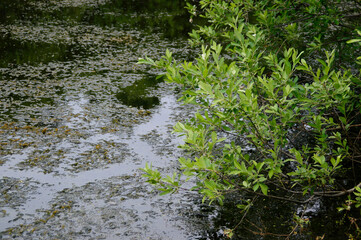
<point x="269" y="122"/>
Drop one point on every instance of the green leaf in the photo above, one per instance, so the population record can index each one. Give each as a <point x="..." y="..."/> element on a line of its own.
<point x="234" y="172"/>
<point x="246" y="184"/>
<point x="165" y="191"/>
<point x="237" y="165"/>
<point x="353" y="40"/>
<point x="264" y="188"/>
<point x="206" y="87"/>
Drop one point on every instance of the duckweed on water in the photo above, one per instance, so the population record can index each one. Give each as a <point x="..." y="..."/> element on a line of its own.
<point x="109" y="209"/>
<point x="15" y="191"/>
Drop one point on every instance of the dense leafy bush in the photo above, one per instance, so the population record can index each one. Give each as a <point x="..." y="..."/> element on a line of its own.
<point x="272" y="120"/>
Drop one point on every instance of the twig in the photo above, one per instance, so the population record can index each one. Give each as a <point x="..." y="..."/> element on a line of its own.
<point x="340" y="193"/>
<point x="282" y="198"/>
<point x="261" y="233"/>
<point x="245" y="214"/>
<point x="297" y="224"/>
<point x="339" y="128"/>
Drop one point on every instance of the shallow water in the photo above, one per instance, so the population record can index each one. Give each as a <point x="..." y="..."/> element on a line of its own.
<point x="79" y="117"/>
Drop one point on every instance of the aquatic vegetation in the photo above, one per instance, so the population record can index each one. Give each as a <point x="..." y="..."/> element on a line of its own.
<point x="70" y="149"/>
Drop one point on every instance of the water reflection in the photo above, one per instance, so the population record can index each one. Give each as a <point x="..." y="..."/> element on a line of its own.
<point x="16" y="52"/>
<point x="136" y="94"/>
<point x="69" y="92"/>
<point x="153" y="15"/>
<point x="36" y="31"/>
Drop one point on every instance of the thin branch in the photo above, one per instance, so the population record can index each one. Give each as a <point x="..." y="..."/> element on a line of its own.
<point x="281" y="198"/>
<point x="297" y="224"/>
<point x="338" y="128"/>
<point x="262" y="233"/>
<point x="340" y="193"/>
<point x="245" y="214"/>
<point x="321" y="193"/>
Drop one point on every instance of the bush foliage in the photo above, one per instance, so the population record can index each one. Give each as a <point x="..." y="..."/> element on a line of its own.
<point x="278" y="102"/>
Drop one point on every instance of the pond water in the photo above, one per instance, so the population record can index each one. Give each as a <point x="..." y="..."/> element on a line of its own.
<point x="79" y="117"/>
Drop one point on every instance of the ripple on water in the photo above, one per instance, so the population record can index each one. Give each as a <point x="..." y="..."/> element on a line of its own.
<point x="79" y="117"/>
